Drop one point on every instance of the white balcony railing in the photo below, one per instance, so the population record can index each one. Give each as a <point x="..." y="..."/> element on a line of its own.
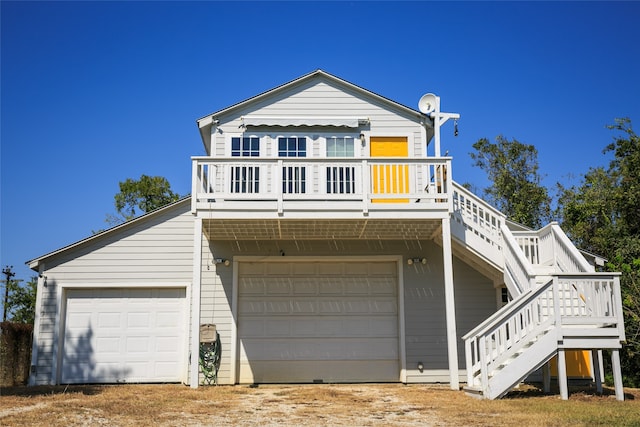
<point x="316" y="184"/>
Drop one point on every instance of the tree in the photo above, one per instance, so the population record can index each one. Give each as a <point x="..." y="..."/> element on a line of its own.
<point x="22" y="301"/>
<point x="140" y="196"/>
<point x="19" y="302"/>
<point x="602" y="215"/>
<point x="512" y="168"/>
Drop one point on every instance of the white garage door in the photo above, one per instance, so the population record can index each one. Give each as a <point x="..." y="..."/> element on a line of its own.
<point x="124" y="335"/>
<point x="318" y="321"/>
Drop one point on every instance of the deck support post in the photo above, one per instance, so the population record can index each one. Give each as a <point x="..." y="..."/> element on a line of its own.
<point x="450" y="308"/>
<point x="562" y="375"/>
<point x="617" y="374"/>
<point x="194" y="354"/>
<point x="597" y="373"/>
<point x="546" y="377"/>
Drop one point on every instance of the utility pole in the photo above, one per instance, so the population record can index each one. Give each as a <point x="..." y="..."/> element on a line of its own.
<point x="7" y="272"/>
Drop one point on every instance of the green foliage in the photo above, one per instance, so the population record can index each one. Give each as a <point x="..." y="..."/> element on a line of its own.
<point x="602" y="215"/>
<point x="588" y="212"/>
<point x="512" y="168"/>
<point x="21" y="302"/>
<point x="140" y="196"/>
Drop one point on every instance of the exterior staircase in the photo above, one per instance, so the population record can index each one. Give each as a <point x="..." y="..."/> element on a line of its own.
<point x="558" y="301"/>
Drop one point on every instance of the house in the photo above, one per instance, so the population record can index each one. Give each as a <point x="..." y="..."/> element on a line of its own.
<point x="325" y="240"/>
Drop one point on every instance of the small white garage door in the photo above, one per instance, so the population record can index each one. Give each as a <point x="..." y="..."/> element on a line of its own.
<point x="124" y="335"/>
<point x="318" y="321"/>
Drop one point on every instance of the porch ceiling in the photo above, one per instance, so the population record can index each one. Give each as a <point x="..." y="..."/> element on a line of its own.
<point x="320" y="229"/>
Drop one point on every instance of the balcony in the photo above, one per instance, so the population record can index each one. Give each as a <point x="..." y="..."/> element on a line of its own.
<point x="322" y="188"/>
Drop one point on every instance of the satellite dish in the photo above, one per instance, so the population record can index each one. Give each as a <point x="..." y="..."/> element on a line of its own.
<point x="427" y="103"/>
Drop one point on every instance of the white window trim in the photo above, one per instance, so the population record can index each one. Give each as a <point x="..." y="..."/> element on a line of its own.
<point x="357" y="142"/>
<point x="262" y="144"/>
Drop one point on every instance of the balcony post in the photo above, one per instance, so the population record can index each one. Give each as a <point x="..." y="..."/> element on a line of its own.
<point x="366" y="187"/>
<point x="450" y="308"/>
<point x="194" y="368"/>
<point x="277" y="186"/>
<point x="194" y="186"/>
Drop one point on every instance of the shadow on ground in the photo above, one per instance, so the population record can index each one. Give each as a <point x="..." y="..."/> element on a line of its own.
<point x="575" y="392"/>
<point x="87" y="390"/>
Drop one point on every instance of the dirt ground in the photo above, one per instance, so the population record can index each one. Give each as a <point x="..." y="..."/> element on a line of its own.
<point x="306" y="405"/>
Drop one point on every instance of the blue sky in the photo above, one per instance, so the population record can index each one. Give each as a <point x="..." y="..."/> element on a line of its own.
<point x="93" y="93"/>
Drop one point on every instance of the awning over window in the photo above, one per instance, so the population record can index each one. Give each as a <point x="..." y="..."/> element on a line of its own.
<point x="350" y="122"/>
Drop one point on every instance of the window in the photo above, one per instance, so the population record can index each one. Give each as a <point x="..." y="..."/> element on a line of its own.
<point x="292" y="146"/>
<point x="340" y="146"/>
<point x="340" y="179"/>
<point x="248" y="146"/>
<point x="294" y="178"/>
<point x="245" y="178"/>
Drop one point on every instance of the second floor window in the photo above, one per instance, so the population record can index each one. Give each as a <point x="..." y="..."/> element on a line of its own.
<point x="248" y="146"/>
<point x="340" y="146"/>
<point x="294" y="146"/>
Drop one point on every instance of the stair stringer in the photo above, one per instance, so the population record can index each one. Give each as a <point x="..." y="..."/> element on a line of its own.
<point x="503" y="379"/>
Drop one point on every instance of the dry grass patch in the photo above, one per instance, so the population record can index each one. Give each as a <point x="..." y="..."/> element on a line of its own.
<point x="310" y="405"/>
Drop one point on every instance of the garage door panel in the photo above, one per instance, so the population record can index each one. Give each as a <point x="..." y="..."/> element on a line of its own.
<point x="304" y="286"/>
<point x="106" y="345"/>
<point x="303" y="306"/>
<point x="168" y="319"/>
<point x="281" y="286"/>
<point x="123" y="335"/>
<point x="251" y="286"/>
<point x="138" y="320"/>
<point x="330" y="287"/>
<point x="319" y="314"/>
<point x="328" y="372"/>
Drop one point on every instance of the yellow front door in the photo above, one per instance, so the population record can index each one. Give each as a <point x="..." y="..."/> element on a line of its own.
<point x="390" y="178"/>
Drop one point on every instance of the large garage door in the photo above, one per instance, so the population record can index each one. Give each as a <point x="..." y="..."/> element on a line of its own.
<point x="123" y="335"/>
<point x="318" y="321"/>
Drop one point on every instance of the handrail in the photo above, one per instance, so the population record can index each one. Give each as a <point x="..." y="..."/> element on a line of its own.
<point x="477" y="215"/>
<point x="588" y="299"/>
<point x="516" y="264"/>
<point x="550" y="246"/>
<point x="504" y="311"/>
<point x="568" y="253"/>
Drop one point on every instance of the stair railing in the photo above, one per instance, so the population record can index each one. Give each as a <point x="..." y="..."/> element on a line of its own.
<point x="551" y="247"/>
<point x="506" y="332"/>
<point x="519" y="275"/>
<point x="571" y="300"/>
<point x="567" y="256"/>
<point x="477" y="223"/>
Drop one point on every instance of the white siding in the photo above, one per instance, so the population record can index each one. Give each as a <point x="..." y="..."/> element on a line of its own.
<point x="154" y="250"/>
<point x="326" y="98"/>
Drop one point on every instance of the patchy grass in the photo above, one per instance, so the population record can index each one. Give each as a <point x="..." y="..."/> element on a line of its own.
<point x="337" y="405"/>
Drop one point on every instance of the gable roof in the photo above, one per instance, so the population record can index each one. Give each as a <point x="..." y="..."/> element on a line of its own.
<point x="205" y="123"/>
<point x="35" y="263"/>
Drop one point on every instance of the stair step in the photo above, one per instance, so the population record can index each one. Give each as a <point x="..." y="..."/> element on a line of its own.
<point x="473" y="391"/>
